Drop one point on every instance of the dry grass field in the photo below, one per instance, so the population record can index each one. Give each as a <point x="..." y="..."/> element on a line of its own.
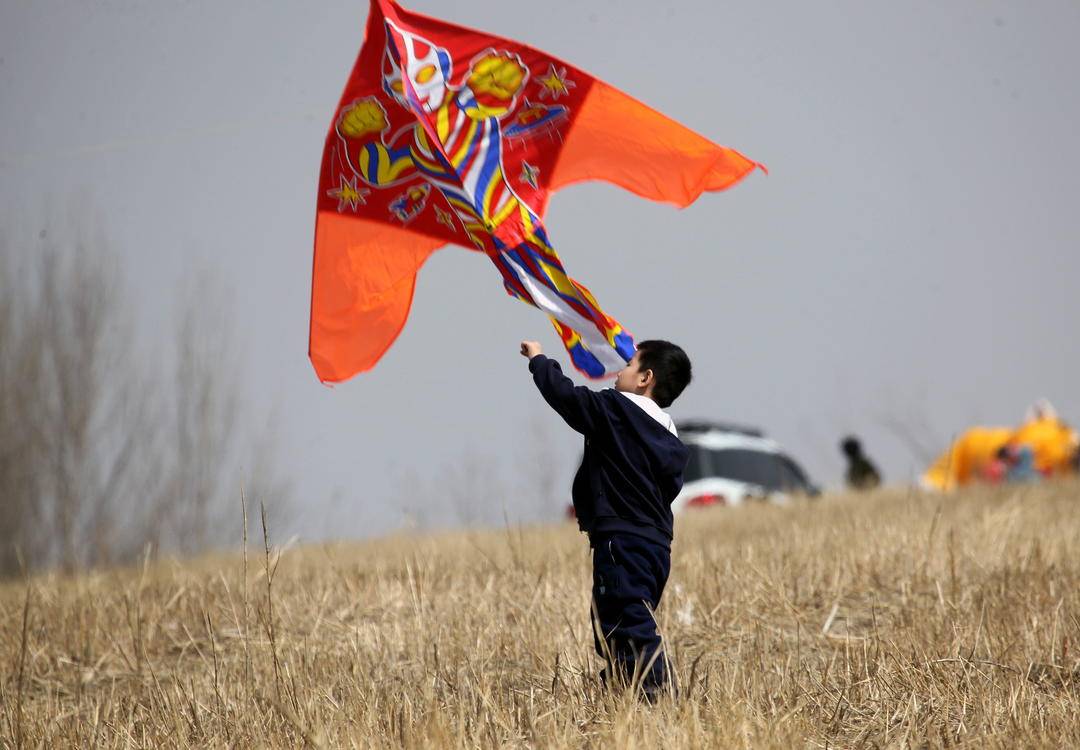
<point x="891" y="620"/>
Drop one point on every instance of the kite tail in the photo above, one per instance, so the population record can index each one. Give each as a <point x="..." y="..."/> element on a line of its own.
<point x="580" y="355"/>
<point x="532" y="272"/>
<point x="617" y="338"/>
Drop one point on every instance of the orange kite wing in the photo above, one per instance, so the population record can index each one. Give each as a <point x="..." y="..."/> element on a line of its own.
<point x="361" y="294"/>
<point x="618" y="139"/>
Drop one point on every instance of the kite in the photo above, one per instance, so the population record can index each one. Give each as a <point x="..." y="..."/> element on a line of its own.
<point x="445" y="135"/>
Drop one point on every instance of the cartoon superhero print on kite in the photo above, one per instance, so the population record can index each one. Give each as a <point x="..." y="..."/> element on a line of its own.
<point x="457" y="147"/>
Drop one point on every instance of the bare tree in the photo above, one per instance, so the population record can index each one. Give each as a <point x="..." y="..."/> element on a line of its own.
<point x="207" y="458"/>
<point x="16" y="480"/>
<point x="63" y="337"/>
<point x="473" y="487"/>
<point x="99" y="456"/>
<point x="204" y="411"/>
<point x="539" y="474"/>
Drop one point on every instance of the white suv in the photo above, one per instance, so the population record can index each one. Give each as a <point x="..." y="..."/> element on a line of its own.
<point x="730" y="465"/>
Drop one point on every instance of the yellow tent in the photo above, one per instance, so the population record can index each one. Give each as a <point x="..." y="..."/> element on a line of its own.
<point x="1053" y="445"/>
<point x="967" y="458"/>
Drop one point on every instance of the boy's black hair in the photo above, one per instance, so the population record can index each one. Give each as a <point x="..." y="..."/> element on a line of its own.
<point x="670" y="367"/>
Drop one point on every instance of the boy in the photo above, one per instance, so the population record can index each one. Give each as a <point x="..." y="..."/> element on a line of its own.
<point x="631" y="470"/>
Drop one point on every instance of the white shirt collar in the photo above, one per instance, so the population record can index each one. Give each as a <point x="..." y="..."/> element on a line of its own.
<point x="653" y="409"/>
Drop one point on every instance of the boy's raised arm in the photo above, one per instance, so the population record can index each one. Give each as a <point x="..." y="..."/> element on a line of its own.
<point x="577" y="405"/>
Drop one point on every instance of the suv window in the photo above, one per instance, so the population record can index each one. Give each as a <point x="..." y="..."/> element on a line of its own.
<point x="772" y="471"/>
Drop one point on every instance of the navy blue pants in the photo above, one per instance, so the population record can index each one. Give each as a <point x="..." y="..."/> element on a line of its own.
<point x="629" y="574"/>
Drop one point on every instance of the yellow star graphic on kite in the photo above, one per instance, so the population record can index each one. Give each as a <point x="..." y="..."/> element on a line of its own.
<point x="348" y="194"/>
<point x="445" y="218"/>
<point x="530" y="174"/>
<point x="555" y="83"/>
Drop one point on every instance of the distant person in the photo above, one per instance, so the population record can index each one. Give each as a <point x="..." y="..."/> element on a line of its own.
<point x="1013" y="463"/>
<point x="861" y="473"/>
<point x="1022" y="465"/>
<point x="631" y="471"/>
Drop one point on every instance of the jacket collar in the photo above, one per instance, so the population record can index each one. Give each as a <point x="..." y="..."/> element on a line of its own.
<point x="653" y="409"/>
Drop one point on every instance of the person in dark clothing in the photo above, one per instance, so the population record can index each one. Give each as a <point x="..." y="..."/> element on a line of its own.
<point x="631" y="470"/>
<point x="861" y="472"/>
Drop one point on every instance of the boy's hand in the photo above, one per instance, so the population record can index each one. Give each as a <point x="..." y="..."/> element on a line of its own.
<point x="530" y="349"/>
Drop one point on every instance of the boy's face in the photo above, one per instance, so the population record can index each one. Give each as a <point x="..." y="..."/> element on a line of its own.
<point x="630" y="379"/>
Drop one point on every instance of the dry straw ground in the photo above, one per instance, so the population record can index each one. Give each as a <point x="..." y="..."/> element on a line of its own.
<point x="892" y="620"/>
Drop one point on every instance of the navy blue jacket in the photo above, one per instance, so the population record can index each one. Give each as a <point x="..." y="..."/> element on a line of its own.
<point x="632" y="468"/>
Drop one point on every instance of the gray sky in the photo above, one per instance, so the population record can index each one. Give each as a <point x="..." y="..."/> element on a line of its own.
<point x="912" y="255"/>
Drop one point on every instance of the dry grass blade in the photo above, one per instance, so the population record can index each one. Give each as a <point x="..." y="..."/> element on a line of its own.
<point x="269" y="621"/>
<point x="22" y="670"/>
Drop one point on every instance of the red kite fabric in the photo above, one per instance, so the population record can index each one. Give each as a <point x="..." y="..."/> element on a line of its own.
<point x="445" y="135"/>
